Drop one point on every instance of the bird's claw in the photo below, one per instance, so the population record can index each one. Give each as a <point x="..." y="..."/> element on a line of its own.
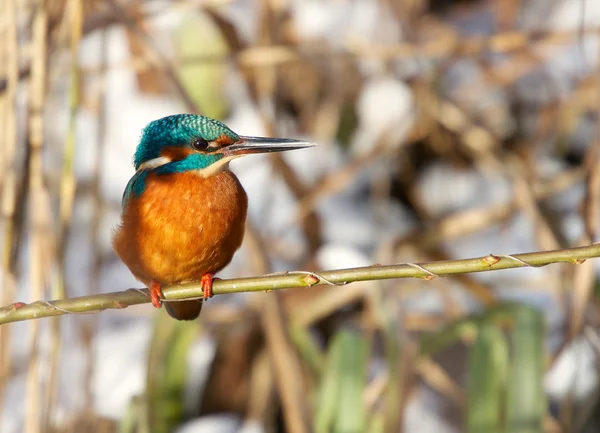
<point x="206" y="283"/>
<point x="156" y="294"/>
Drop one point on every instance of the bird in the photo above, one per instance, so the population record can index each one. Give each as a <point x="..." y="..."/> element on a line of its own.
<point x="183" y="211"/>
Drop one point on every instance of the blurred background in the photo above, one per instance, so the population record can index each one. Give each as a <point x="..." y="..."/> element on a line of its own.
<point x="446" y="129"/>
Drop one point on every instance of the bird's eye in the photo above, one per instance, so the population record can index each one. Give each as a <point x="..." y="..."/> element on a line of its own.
<point x="200" y="144"/>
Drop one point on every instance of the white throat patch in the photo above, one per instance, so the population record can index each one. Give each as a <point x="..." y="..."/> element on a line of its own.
<point x="153" y="163"/>
<point x="216" y="167"/>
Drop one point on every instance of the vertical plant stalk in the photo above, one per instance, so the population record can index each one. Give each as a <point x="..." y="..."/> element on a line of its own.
<point x="74" y="16"/>
<point x="98" y="212"/>
<point x="8" y="184"/>
<point x="153" y="53"/>
<point x="37" y="217"/>
<point x="584" y="279"/>
<point x="286" y="365"/>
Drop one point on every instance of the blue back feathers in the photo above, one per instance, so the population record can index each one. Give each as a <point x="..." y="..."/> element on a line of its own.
<point x="135" y="186"/>
<point x="180" y="130"/>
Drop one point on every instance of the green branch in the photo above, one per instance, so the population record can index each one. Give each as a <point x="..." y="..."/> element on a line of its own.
<point x="118" y="300"/>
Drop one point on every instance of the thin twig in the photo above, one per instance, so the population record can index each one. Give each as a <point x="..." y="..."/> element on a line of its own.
<point x="119" y="300"/>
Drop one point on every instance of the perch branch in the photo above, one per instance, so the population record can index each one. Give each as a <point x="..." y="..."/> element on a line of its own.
<point x="286" y="280"/>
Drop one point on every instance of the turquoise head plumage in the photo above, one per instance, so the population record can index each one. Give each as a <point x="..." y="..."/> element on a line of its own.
<point x="190" y="142"/>
<point x="185" y="131"/>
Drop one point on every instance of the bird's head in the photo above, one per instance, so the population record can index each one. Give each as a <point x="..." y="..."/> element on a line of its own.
<point x="190" y="142"/>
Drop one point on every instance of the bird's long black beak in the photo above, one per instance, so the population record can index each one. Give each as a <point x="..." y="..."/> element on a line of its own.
<point x="248" y="145"/>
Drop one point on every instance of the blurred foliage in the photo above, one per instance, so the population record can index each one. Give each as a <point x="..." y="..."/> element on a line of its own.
<point x="340" y="406"/>
<point x="161" y="408"/>
<point x="196" y="39"/>
<point x="167" y="372"/>
<point x="505" y="391"/>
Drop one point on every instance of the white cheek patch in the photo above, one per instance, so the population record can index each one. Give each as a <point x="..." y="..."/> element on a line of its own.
<point x="153" y="163"/>
<point x="216" y="167"/>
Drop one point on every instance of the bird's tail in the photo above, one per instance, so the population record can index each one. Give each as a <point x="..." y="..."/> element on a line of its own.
<point x="184" y="310"/>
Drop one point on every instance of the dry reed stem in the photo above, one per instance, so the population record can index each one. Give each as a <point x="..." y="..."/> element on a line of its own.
<point x="258" y="56"/>
<point x="153" y="53"/>
<point x="591" y="201"/>
<point x="261" y="405"/>
<point x="8" y="149"/>
<point x="286" y="363"/>
<point x="8" y="185"/>
<point x="99" y="211"/>
<point x="583" y="284"/>
<point x="72" y="22"/>
<point x="286" y="368"/>
<point x="584" y="279"/>
<point x="274" y="55"/>
<point x="484" y="148"/>
<point x="523" y="192"/>
<point x="337" y="180"/>
<point x="37" y="200"/>
<point x="435" y="376"/>
<point x="325" y="303"/>
<point x="473" y="220"/>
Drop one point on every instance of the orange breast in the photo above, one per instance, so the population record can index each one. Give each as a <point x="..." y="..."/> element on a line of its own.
<point x="182" y="226"/>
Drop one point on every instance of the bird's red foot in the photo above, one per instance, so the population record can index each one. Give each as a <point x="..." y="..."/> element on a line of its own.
<point x="206" y="282"/>
<point x="156" y="294"/>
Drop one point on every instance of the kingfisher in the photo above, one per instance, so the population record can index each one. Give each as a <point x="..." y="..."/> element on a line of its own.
<point x="183" y="211"/>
